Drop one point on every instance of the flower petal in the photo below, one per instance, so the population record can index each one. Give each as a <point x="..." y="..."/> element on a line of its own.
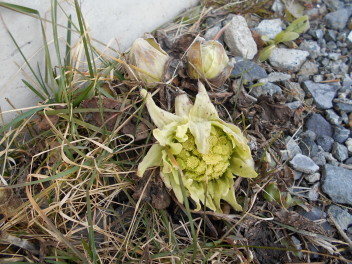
<point x="201" y="133"/>
<point x="183" y="105"/>
<point x="239" y="141"/>
<point x="242" y="168"/>
<point x="203" y="109"/>
<point x="159" y="116"/>
<point x="230" y="197"/>
<point x="153" y="158"/>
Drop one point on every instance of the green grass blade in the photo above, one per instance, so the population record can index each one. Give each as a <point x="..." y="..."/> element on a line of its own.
<point x="33" y="89"/>
<point x="18" y="8"/>
<point x="68" y="42"/>
<point x="84" y="38"/>
<point x="15" y="122"/>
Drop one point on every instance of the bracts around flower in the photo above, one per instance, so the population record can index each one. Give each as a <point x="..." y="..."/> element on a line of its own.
<point x="194" y="142"/>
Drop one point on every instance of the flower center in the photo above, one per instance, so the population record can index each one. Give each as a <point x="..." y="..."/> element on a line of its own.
<point x="202" y="167"/>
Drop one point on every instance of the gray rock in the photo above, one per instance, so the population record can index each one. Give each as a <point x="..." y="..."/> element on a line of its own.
<point x="295" y="91"/>
<point x="211" y="32"/>
<point x="348" y="144"/>
<point x="338" y="67"/>
<point x="276" y="77"/>
<point x="332" y="117"/>
<point x="339" y="151"/>
<point x="304" y="164"/>
<point x="347" y="83"/>
<point x="330" y="35"/>
<point x="278" y="7"/>
<point x="349" y="37"/>
<point x="337" y="183"/>
<point x="343" y="104"/>
<point x="239" y="38"/>
<point x="325" y="142"/>
<point x="292" y="147"/>
<point x="318" y="125"/>
<point x="294" y="105"/>
<point x="297" y="175"/>
<point x="348" y="161"/>
<point x="341" y="134"/>
<point x="316" y="214"/>
<point x="313" y="193"/>
<point x="250" y="71"/>
<point x="344" y="117"/>
<point x="307" y="144"/>
<point x="266" y="89"/>
<point x="330" y="159"/>
<point x="341" y="216"/>
<point x="288" y="59"/>
<point x="334" y="5"/>
<point x="318" y="78"/>
<point x="334" y="56"/>
<point x="323" y="94"/>
<point x="308" y="68"/>
<point x="318" y="34"/>
<point x="312" y="178"/>
<point x="338" y="19"/>
<point x="269" y="27"/>
<point x="319" y="158"/>
<point x="312" y="47"/>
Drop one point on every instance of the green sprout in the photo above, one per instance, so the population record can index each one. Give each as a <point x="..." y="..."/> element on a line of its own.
<point x="291" y="33"/>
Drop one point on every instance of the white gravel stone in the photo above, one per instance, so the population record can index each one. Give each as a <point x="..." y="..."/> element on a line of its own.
<point x="269" y="27"/>
<point x="288" y="59"/>
<point x="239" y="38"/>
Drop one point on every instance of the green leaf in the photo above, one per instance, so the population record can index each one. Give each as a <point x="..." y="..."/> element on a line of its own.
<point x="300" y="25"/>
<point x="272" y="193"/>
<point x="285" y="36"/>
<point x="266" y="52"/>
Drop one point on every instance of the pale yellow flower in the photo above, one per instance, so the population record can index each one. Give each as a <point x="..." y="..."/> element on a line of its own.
<point x="195" y="142"/>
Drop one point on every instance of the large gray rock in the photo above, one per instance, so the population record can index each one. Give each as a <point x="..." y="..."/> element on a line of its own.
<point x="341" y="216"/>
<point x="269" y="27"/>
<point x="337" y="183"/>
<point x="288" y="59"/>
<point x="304" y="164"/>
<point x="323" y="94"/>
<point x="239" y="38"/>
<point x="319" y="125"/>
<point x="248" y="70"/>
<point x="338" y="19"/>
<point x="266" y="89"/>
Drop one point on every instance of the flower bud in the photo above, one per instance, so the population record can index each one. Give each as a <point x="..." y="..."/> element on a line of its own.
<point x="149" y="60"/>
<point x="209" y="61"/>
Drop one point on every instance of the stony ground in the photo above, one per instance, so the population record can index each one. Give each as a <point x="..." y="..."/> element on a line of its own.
<point x="315" y="79"/>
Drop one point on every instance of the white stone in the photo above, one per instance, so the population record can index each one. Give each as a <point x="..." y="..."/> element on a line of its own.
<point x="312" y="178"/>
<point x="348" y="144"/>
<point x="288" y="59"/>
<point x="239" y="38"/>
<point x="349" y="37"/>
<point x="269" y="27"/>
<point x="116" y="23"/>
